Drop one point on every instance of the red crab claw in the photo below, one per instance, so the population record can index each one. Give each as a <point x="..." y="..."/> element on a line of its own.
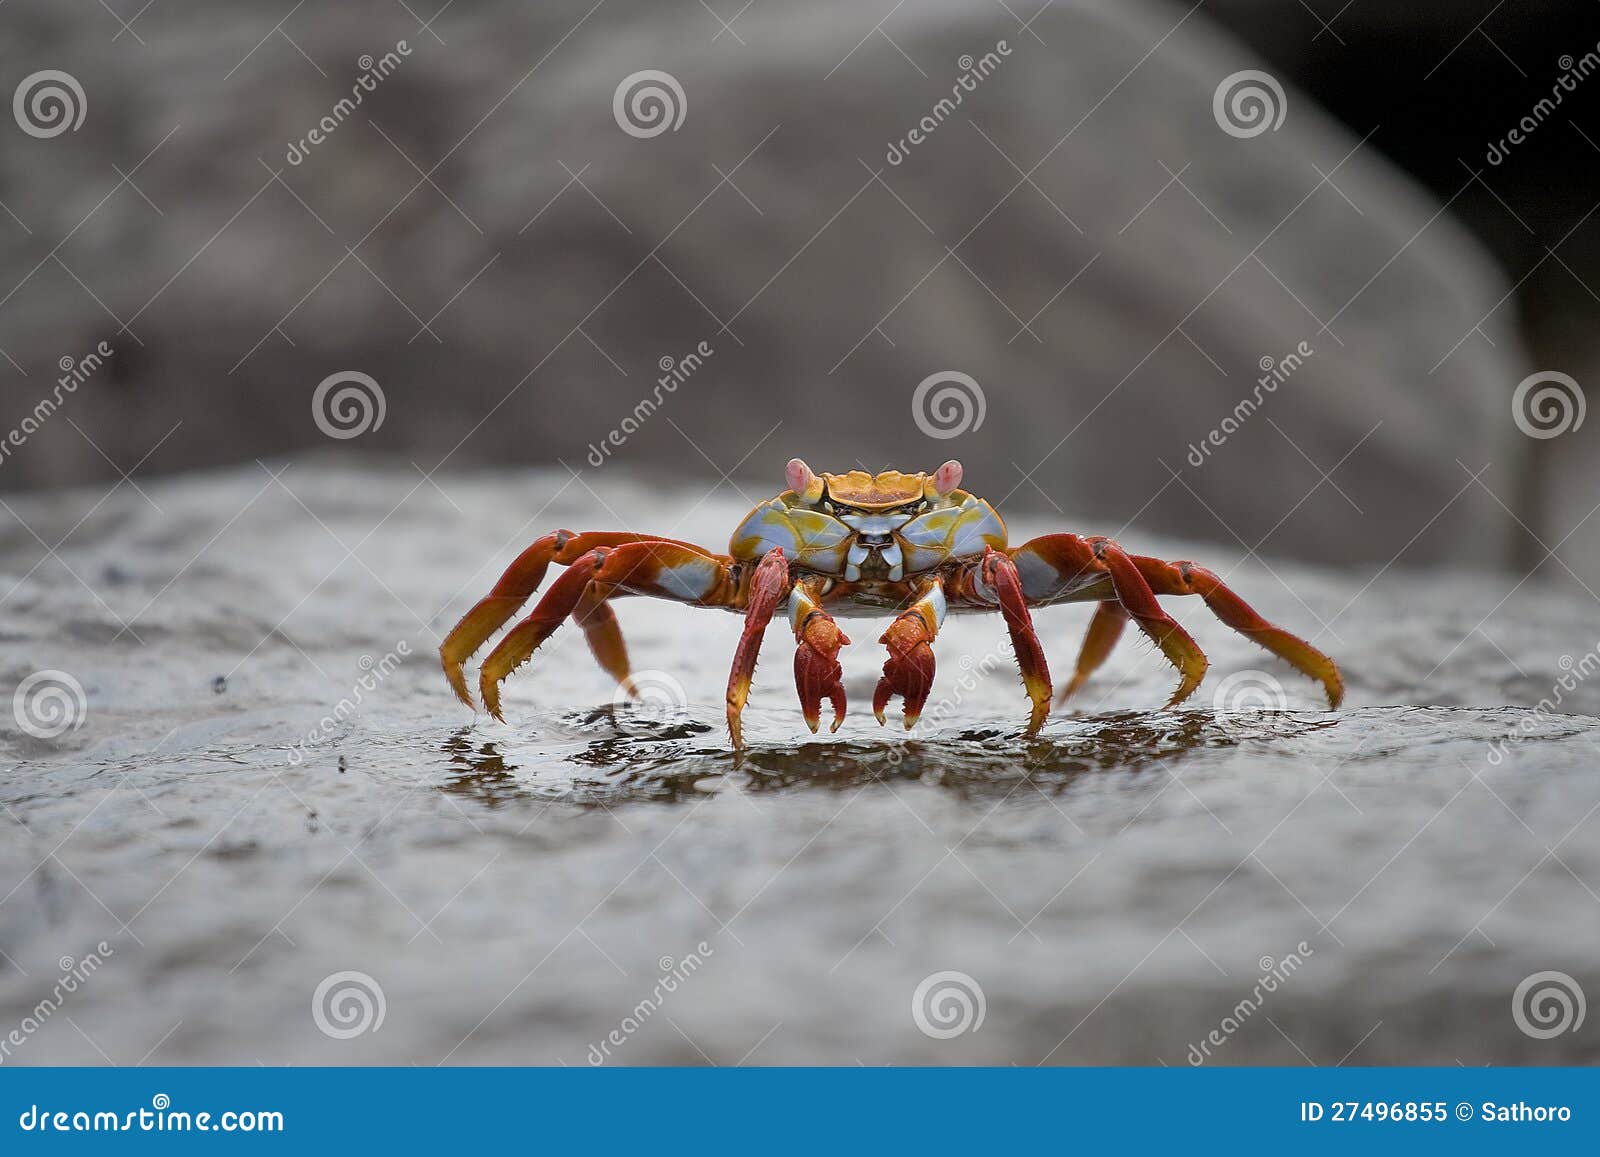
<point x="909" y="671"/>
<point x="816" y="668"/>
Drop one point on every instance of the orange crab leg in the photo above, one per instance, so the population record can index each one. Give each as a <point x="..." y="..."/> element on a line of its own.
<point x="1067" y="568"/>
<point x="1185" y="578"/>
<point x="910" y="666"/>
<point x="768" y="587"/>
<point x="1084" y="568"/>
<point x="604" y="634"/>
<point x="1104" y="631"/>
<point x="1000" y="575"/>
<point x="650" y="566"/>
<point x="817" y="672"/>
<point x="519" y="581"/>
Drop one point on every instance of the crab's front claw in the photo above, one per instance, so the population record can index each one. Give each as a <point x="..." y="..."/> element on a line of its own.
<point x="817" y="673"/>
<point x="909" y="670"/>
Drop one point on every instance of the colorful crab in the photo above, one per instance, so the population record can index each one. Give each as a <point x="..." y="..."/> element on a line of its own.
<point x="857" y="545"/>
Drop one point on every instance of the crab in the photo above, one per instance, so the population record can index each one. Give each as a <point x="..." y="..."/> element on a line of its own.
<point x="857" y="545"/>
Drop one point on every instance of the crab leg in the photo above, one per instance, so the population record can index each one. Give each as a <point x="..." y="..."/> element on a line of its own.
<point x="1084" y="568"/>
<point x="604" y="635"/>
<point x="519" y="581"/>
<point x="999" y="574"/>
<point x="1185" y="578"/>
<point x="816" y="657"/>
<point x="650" y="567"/>
<point x="768" y="586"/>
<point x="909" y="669"/>
<point x="1104" y="631"/>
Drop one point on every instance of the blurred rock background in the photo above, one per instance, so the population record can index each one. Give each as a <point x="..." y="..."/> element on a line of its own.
<point x="1080" y="237"/>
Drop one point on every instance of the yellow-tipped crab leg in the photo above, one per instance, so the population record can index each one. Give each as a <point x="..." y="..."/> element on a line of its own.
<point x="1185" y="578"/>
<point x="516" y="585"/>
<point x="1066" y="568"/>
<point x="656" y="567"/>
<point x="1000" y="576"/>
<point x="1104" y="631"/>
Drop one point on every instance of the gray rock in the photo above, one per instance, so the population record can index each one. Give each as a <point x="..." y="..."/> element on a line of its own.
<point x="1113" y="307"/>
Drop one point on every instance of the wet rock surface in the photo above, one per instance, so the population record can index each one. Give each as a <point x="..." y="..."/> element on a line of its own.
<point x="1116" y="887"/>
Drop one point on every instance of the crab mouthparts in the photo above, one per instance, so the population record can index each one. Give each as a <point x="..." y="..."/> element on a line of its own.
<point x="878" y="553"/>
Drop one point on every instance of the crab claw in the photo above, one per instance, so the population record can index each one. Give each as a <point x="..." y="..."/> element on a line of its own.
<point x="816" y="669"/>
<point x="909" y="671"/>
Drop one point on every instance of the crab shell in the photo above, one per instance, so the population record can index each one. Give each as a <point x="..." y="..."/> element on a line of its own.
<point x="831" y="523"/>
